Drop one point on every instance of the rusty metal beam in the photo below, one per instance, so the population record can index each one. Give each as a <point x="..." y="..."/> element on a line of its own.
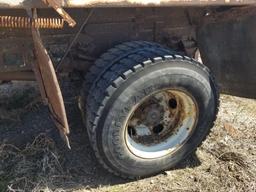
<point x="121" y="3"/>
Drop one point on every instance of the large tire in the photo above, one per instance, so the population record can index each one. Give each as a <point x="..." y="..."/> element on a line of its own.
<point x="111" y="57"/>
<point x="126" y="85"/>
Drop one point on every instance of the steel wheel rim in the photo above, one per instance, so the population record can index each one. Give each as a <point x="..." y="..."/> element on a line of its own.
<point x="161" y="123"/>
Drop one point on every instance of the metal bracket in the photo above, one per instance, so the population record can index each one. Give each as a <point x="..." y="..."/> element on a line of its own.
<point x="56" y="4"/>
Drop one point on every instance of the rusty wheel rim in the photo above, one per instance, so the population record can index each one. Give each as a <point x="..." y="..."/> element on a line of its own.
<point x="161" y="124"/>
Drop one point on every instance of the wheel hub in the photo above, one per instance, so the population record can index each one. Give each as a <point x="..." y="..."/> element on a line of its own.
<point x="161" y="122"/>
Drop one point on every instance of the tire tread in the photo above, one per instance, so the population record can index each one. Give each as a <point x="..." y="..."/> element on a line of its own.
<point x="111" y="77"/>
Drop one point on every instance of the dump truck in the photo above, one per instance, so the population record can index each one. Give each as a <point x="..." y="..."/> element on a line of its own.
<point x="152" y="70"/>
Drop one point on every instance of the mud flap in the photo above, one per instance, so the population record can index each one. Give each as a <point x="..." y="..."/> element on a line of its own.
<point x="228" y="47"/>
<point x="46" y="75"/>
<point x="49" y="86"/>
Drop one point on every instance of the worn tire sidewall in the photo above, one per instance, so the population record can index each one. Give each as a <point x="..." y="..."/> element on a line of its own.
<point x="167" y="74"/>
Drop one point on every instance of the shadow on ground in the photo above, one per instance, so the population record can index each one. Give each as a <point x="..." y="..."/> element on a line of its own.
<point x="53" y="166"/>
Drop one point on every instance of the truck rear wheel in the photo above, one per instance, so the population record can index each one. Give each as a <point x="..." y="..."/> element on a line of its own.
<point x="149" y="110"/>
<point x="110" y="58"/>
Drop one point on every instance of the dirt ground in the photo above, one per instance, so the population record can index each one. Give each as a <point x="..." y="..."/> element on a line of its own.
<point x="33" y="158"/>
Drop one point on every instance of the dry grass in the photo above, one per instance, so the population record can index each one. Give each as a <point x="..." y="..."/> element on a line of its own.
<point x="30" y="168"/>
<point x="225" y="162"/>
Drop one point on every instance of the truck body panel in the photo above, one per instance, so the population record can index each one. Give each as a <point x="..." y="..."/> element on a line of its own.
<point x="225" y="38"/>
